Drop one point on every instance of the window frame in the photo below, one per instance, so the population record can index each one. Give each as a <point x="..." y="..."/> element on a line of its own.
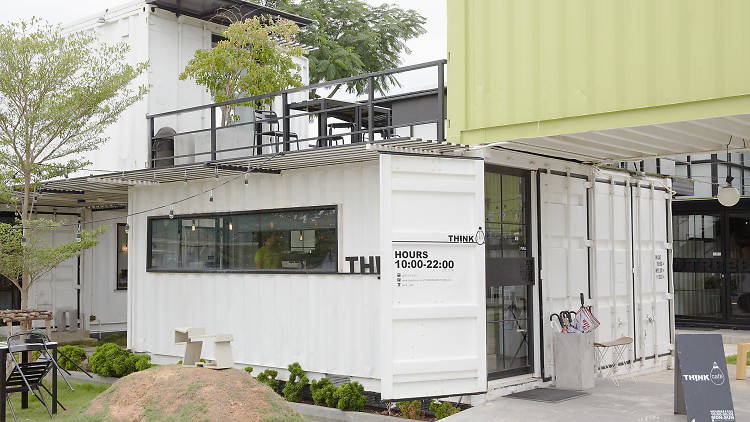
<point x="335" y="208"/>
<point x="117" y="257"/>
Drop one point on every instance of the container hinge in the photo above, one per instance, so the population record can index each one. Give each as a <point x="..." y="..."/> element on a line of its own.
<point x="668" y="296"/>
<point x="587" y="243"/>
<point x="668" y="246"/>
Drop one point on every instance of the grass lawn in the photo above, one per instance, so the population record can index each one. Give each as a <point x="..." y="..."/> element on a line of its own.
<point x="732" y="359"/>
<point x="74" y="401"/>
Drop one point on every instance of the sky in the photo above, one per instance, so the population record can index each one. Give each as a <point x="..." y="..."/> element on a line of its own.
<point x="431" y="46"/>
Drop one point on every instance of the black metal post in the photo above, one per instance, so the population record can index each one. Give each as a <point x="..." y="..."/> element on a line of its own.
<point x="370" y="108"/>
<point x="25" y="391"/>
<point x="285" y="121"/>
<point x="3" y="359"/>
<point x="54" y="378"/>
<point x="322" y="124"/>
<point x="213" y="133"/>
<point x="151" y="132"/>
<point x="441" y="102"/>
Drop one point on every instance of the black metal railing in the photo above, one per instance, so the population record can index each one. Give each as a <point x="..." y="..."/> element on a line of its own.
<point x="183" y="137"/>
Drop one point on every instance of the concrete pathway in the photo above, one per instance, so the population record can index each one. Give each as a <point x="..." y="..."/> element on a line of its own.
<point x="641" y="398"/>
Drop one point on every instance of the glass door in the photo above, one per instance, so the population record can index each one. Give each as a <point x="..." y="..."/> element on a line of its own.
<point x="738" y="264"/>
<point x="509" y="272"/>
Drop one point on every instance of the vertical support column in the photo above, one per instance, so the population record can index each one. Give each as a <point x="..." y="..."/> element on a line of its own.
<point x="441" y="102"/>
<point x="213" y="133"/>
<point x="25" y="393"/>
<point x="151" y="153"/>
<point x="370" y="109"/>
<point x="285" y="122"/>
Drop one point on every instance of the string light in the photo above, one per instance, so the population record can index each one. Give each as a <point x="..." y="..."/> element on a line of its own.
<point x="211" y="197"/>
<point x="193" y="226"/>
<point x="23" y="237"/>
<point x="216" y="172"/>
<point x="230" y="225"/>
<point x="78" y="234"/>
<point x="171" y="212"/>
<point x="155" y="208"/>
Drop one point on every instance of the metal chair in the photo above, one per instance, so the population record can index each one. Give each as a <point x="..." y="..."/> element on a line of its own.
<point x="270" y="118"/>
<point x="28" y="375"/>
<point x="42" y="338"/>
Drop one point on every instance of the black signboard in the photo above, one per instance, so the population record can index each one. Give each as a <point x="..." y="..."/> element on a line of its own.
<point x="701" y="381"/>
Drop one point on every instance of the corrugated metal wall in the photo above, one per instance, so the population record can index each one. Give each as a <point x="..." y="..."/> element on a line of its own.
<point x="526" y="61"/>
<point x="99" y="295"/>
<point x="328" y="323"/>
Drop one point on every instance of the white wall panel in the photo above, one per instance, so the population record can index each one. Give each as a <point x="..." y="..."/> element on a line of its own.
<point x="58" y="288"/>
<point x="99" y="294"/>
<point x="564" y="253"/>
<point x="329" y="323"/>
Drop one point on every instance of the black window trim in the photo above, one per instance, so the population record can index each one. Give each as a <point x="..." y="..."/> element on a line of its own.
<point x="333" y="207"/>
<point x="117" y="258"/>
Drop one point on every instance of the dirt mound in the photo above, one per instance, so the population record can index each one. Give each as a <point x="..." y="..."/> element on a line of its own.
<point x="171" y="392"/>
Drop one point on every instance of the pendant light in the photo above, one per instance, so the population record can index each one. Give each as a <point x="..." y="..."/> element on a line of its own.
<point x="728" y="196"/>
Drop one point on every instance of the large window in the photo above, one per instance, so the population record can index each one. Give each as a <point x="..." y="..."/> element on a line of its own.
<point x="122" y="257"/>
<point x="293" y="240"/>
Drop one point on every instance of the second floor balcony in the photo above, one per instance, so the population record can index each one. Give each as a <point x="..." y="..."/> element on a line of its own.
<point x="305" y="118"/>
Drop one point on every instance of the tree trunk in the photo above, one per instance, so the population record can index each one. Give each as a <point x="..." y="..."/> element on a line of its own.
<point x="25" y="326"/>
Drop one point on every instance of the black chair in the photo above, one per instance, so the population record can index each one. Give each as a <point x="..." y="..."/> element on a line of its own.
<point x="28" y="376"/>
<point x="272" y="120"/>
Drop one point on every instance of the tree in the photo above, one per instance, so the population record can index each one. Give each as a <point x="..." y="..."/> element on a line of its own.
<point x="58" y="92"/>
<point x="254" y="59"/>
<point x="351" y="37"/>
<point x="26" y="255"/>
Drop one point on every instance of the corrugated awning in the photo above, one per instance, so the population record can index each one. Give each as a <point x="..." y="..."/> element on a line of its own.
<point x="111" y="189"/>
<point x="636" y="143"/>
<point x="210" y="10"/>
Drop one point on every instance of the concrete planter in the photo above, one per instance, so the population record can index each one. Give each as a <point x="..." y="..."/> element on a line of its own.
<point x="574" y="361"/>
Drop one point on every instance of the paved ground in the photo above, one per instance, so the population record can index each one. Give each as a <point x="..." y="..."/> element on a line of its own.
<point x="641" y="398"/>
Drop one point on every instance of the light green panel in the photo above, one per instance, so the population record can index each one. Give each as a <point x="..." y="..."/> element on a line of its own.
<point x="525" y="68"/>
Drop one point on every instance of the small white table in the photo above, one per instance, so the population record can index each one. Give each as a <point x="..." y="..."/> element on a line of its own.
<point x="192" y="338"/>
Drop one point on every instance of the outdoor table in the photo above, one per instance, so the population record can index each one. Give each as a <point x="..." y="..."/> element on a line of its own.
<point x="355" y="113"/>
<point x="25" y="393"/>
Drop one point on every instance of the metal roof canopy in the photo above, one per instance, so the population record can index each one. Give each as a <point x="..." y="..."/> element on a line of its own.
<point x="111" y="189"/>
<point x="207" y="10"/>
<point x="701" y="136"/>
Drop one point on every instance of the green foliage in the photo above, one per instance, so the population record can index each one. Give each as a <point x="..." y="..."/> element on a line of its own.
<point x="352" y="37"/>
<point x="249" y="369"/>
<point x="444" y="409"/>
<point x="58" y="93"/>
<point x="268" y="377"/>
<point x="351" y="396"/>
<point x="248" y="62"/>
<point x="296" y="384"/>
<point x="323" y="392"/>
<point x="76" y="355"/>
<point x="411" y="409"/>
<point x="110" y="360"/>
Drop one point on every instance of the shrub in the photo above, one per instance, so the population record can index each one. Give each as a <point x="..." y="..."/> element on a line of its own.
<point x="268" y="377"/>
<point x="350" y="396"/>
<point x="323" y="392"/>
<point x="411" y="409"/>
<point x="76" y="355"/>
<point x="444" y="409"/>
<point x="249" y="369"/>
<point x="295" y="385"/>
<point x="110" y="360"/>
